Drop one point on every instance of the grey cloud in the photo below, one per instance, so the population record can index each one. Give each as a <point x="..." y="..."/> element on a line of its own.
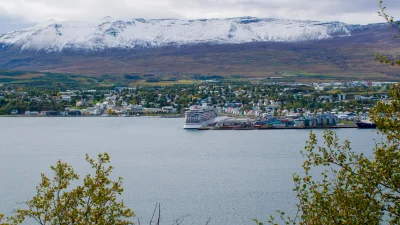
<point x="322" y="6"/>
<point x="7" y="24"/>
<point x="15" y="14"/>
<point x="291" y="9"/>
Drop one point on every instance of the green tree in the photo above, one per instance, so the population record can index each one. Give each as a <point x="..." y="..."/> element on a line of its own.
<point x="93" y="202"/>
<point x="396" y="26"/>
<point x="276" y="112"/>
<point x="354" y="188"/>
<point x="1" y="218"/>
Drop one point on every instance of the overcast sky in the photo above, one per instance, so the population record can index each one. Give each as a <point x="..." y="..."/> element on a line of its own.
<point x="17" y="14"/>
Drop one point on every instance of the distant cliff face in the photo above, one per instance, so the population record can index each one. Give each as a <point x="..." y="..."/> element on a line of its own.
<point x="54" y="36"/>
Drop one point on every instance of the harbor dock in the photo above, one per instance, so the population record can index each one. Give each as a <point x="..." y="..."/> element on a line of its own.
<point x="278" y="124"/>
<point x="212" y="127"/>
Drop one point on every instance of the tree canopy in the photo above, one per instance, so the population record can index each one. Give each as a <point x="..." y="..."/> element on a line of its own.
<point x="95" y="201"/>
<point x="396" y="25"/>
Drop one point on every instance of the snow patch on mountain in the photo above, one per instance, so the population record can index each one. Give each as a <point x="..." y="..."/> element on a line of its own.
<point x="53" y="36"/>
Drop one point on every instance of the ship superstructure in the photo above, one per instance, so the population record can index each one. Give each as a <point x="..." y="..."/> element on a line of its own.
<point x="198" y="116"/>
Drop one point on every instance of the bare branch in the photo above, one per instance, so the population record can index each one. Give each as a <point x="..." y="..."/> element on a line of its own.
<point x="159" y="213"/>
<point x="208" y="220"/>
<point x="154" y="212"/>
<point x="180" y="220"/>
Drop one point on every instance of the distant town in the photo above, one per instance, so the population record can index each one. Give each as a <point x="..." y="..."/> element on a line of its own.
<point x="255" y="99"/>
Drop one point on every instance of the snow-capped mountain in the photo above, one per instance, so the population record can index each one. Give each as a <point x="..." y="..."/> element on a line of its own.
<point x="54" y="36"/>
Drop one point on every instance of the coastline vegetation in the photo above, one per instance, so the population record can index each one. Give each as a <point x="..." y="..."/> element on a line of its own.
<point x="247" y="96"/>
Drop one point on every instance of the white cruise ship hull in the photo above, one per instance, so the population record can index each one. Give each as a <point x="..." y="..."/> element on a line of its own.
<point x="197" y="126"/>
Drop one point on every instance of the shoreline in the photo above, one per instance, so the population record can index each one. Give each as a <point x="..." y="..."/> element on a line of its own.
<point x="210" y="127"/>
<point x="147" y="116"/>
<point x="350" y="126"/>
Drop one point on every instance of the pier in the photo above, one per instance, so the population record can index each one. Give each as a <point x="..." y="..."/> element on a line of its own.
<point x="213" y="127"/>
<point x="276" y="124"/>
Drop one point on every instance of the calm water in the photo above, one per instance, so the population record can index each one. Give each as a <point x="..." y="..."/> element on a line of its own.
<point x="229" y="176"/>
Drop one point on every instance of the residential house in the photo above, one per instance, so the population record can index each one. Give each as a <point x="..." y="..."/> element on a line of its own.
<point x="152" y="110"/>
<point x="66" y="98"/>
<point x="341" y="97"/>
<point x="168" y="109"/>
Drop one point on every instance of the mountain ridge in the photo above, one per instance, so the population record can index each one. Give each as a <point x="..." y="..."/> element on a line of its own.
<point x="53" y="36"/>
<point x="336" y="57"/>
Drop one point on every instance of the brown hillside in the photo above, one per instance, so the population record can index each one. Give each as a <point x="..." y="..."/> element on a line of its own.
<point x="340" y="58"/>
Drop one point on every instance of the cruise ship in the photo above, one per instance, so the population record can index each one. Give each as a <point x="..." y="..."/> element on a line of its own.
<point x="199" y="116"/>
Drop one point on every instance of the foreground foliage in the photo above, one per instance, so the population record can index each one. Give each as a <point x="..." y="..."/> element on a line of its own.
<point x="396" y="26"/>
<point x="353" y="188"/>
<point x="93" y="202"/>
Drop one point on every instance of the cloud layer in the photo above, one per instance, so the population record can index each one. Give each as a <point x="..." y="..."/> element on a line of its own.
<point x="15" y="14"/>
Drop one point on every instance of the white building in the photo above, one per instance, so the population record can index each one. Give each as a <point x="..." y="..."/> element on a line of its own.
<point x="66" y="98"/>
<point x="152" y="110"/>
<point x="342" y="97"/>
<point x="168" y="109"/>
<point x="31" y="113"/>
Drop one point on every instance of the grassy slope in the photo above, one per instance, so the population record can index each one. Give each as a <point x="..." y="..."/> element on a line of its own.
<point x="60" y="80"/>
<point x="46" y="79"/>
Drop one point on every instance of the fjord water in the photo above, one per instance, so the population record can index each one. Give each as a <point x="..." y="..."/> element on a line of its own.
<point x="228" y="176"/>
